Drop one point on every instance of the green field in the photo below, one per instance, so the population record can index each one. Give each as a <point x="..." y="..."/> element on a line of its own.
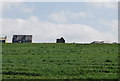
<point x="59" y="61"/>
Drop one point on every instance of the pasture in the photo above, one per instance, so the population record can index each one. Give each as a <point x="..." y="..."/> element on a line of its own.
<point x="59" y="61"/>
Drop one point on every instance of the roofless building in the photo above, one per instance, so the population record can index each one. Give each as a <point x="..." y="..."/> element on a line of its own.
<point x="61" y="40"/>
<point x="3" y="39"/>
<point x="22" y="39"/>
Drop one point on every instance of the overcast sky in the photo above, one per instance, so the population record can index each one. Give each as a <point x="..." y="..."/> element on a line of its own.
<point x="47" y="21"/>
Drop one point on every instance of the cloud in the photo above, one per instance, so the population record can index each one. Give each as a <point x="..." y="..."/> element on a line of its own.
<point x="107" y="5"/>
<point x="111" y="24"/>
<point x="48" y="32"/>
<point x="67" y="16"/>
<point x="8" y="5"/>
<point x="59" y="16"/>
<point x="27" y="10"/>
<point x="5" y="6"/>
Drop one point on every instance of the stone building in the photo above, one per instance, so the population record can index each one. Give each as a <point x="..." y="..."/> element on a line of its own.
<point x="98" y="42"/>
<point x="3" y="39"/>
<point x="61" y="40"/>
<point x="22" y="39"/>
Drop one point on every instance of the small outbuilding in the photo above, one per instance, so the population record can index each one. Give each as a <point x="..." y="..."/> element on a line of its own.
<point x="3" y="39"/>
<point x="22" y="39"/>
<point x="61" y="40"/>
<point x="98" y="42"/>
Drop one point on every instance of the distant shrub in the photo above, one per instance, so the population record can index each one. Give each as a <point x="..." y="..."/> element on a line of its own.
<point x="51" y="61"/>
<point x="44" y="60"/>
<point x="108" y="61"/>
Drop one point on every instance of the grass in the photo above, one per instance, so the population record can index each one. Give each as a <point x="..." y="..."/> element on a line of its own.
<point x="60" y="61"/>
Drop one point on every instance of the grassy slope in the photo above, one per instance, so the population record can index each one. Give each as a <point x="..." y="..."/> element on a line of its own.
<point x="60" y="61"/>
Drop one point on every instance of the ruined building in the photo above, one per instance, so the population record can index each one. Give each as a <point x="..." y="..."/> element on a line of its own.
<point x="3" y="39"/>
<point x="22" y="39"/>
<point x="61" y="40"/>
